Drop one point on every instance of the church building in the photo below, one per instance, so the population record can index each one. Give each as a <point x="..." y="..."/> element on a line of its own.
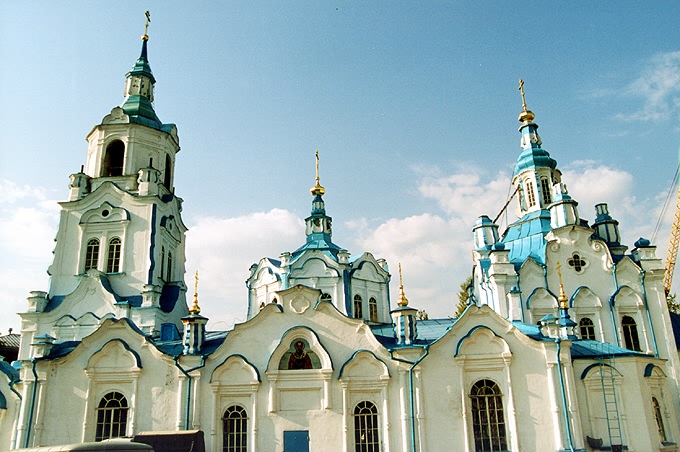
<point x="566" y="343"/>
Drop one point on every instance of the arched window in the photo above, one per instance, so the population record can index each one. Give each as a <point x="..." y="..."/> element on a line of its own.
<point x="358" y="308"/>
<point x="168" y="276"/>
<point x="587" y="328"/>
<point x="366" y="432"/>
<point x="545" y="191"/>
<point x="113" y="159"/>
<point x="372" y="309"/>
<point x="92" y="254"/>
<point x="531" y="197"/>
<point x="235" y="430"/>
<point x="113" y="261"/>
<point x="630" y="333"/>
<point x="488" y="422"/>
<point x="111" y="416"/>
<point x="659" y="419"/>
<point x="168" y="172"/>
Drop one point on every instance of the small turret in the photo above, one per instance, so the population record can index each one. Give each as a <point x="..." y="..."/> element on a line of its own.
<point x="563" y="211"/>
<point x="404" y="317"/>
<point x="485" y="232"/>
<point x="607" y="229"/>
<point x="194" y="326"/>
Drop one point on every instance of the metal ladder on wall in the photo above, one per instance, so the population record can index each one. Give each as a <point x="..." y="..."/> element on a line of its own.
<point x="611" y="407"/>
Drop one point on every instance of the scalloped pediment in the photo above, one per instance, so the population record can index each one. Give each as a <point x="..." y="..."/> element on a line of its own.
<point x="314" y="266"/>
<point x="117" y="116"/>
<point x="105" y="213"/>
<point x="481" y="342"/>
<point x="363" y="365"/>
<point x="584" y="297"/>
<point x="114" y="356"/>
<point x="627" y="297"/>
<point x="628" y="273"/>
<point x="235" y="370"/>
<point x="541" y="299"/>
<point x="264" y="276"/>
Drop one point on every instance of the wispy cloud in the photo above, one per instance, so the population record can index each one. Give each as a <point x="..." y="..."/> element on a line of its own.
<point x="658" y="86"/>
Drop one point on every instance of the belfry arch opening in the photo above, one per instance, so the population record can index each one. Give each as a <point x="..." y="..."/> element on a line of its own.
<point x="113" y="159"/>
<point x="168" y="172"/>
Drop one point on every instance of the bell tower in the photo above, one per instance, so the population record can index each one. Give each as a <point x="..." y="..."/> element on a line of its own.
<point x="120" y="245"/>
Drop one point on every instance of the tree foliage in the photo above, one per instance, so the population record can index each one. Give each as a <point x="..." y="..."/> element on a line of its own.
<point x="463" y="296"/>
<point x="673" y="305"/>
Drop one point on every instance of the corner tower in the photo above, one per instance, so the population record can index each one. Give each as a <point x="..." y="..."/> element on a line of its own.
<point x="120" y="242"/>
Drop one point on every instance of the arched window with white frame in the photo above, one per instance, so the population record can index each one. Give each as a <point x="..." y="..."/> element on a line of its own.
<point x="546" y="193"/>
<point x="112" y="414"/>
<point x="366" y="429"/>
<point x="531" y="196"/>
<point x="113" y="258"/>
<point x="235" y="429"/>
<point x="92" y="254"/>
<point x="488" y="419"/>
<point x="586" y="328"/>
<point x="659" y="420"/>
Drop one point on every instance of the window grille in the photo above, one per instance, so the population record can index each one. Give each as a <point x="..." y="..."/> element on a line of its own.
<point x="358" y="308"/>
<point x="587" y="328"/>
<point x="366" y="431"/>
<point x="92" y="254"/>
<point x="235" y="430"/>
<point x="630" y="333"/>
<point x="372" y="309"/>
<point x="488" y="422"/>
<point x="111" y="416"/>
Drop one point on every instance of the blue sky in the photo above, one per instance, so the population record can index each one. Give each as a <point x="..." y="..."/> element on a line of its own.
<point x="413" y="106"/>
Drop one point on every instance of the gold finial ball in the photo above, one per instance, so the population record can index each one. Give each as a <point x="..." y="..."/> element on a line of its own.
<point x="317" y="190"/>
<point x="526" y="117"/>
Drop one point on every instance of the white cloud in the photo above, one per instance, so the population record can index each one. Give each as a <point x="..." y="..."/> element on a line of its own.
<point x="222" y="250"/>
<point x="28" y="224"/>
<point x="659" y="87"/>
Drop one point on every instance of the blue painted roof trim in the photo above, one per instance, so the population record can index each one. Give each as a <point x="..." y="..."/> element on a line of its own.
<point x="575" y="294"/>
<point x="648" y="370"/>
<point x="351" y="358"/>
<point x="7" y="369"/>
<point x="587" y="370"/>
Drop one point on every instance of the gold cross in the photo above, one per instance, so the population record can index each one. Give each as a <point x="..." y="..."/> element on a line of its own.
<point x="146" y="25"/>
<point x="521" y="90"/>
<point x="317" y="166"/>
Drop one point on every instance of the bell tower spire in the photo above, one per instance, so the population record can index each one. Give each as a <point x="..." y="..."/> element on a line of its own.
<point x="139" y="83"/>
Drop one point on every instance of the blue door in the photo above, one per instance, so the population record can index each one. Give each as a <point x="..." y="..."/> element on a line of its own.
<point x="296" y="441"/>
